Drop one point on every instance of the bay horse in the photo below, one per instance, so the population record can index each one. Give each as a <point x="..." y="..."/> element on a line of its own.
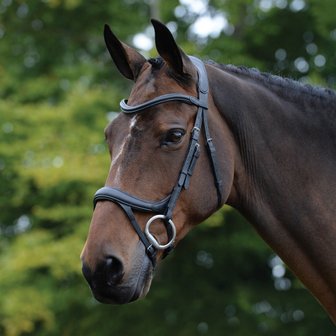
<point x="193" y="136"/>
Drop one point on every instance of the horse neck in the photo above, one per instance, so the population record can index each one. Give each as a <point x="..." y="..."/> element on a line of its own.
<point x="283" y="146"/>
<point x="285" y="176"/>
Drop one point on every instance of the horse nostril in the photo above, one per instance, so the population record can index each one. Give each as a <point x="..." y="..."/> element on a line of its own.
<point x="113" y="270"/>
<point x="108" y="273"/>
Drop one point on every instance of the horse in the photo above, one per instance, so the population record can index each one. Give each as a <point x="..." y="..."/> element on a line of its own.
<point x="196" y="135"/>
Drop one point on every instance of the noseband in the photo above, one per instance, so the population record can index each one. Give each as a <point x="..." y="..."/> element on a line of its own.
<point x="164" y="208"/>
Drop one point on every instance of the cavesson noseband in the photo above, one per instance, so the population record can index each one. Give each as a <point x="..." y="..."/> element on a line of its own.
<point x="164" y="208"/>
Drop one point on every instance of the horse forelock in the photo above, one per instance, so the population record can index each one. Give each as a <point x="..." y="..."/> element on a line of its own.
<point x="158" y="63"/>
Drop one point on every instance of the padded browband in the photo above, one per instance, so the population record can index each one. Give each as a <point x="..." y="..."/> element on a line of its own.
<point x="159" y="100"/>
<point x="118" y="196"/>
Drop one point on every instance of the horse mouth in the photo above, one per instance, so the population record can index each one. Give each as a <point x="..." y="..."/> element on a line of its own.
<point x="135" y="287"/>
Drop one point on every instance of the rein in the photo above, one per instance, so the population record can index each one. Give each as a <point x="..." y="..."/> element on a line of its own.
<point x="164" y="208"/>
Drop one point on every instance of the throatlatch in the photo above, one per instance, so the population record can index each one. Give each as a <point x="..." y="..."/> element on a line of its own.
<point x="164" y="208"/>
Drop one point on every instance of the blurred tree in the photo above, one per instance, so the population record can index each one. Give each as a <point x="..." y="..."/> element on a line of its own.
<point x="58" y="89"/>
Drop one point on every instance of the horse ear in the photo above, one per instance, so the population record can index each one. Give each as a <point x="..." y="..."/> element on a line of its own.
<point x="128" y="61"/>
<point x="169" y="50"/>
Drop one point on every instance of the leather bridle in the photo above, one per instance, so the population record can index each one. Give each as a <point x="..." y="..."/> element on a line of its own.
<point x="164" y="208"/>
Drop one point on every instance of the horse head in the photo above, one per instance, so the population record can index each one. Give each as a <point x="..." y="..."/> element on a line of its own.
<point x="150" y="144"/>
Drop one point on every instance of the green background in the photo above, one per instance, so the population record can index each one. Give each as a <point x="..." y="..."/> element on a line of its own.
<point x="58" y="88"/>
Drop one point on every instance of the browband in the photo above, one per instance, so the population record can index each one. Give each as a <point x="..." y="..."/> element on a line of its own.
<point x="159" y="100"/>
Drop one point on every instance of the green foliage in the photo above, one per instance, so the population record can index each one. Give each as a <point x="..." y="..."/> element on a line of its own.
<point x="57" y="89"/>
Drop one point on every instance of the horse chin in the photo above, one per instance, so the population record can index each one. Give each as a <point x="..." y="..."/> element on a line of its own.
<point x="142" y="288"/>
<point x="142" y="279"/>
<point x="135" y="287"/>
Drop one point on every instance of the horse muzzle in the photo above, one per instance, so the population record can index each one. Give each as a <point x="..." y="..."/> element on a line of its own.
<point x="110" y="284"/>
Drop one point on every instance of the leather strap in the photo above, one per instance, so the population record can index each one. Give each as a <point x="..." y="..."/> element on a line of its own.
<point x="169" y="97"/>
<point x="122" y="197"/>
<point x="150" y="250"/>
<point x="214" y="162"/>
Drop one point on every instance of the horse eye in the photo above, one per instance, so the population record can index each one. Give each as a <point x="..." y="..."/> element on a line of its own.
<point x="173" y="136"/>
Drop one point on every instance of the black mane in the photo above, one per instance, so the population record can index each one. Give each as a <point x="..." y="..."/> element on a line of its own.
<point x="288" y="89"/>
